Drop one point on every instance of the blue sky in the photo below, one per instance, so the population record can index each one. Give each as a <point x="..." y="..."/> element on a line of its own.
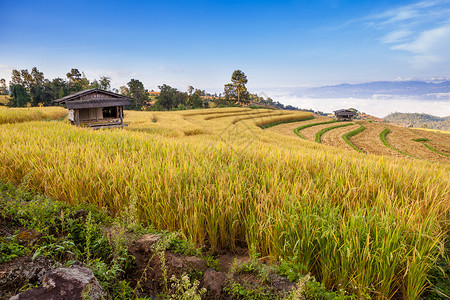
<point x="200" y="43"/>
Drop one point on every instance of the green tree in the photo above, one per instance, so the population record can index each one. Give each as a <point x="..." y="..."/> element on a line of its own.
<point x="190" y="90"/>
<point x="77" y="81"/>
<point x="36" y="87"/>
<point x="16" y="77"/>
<point x="27" y="79"/>
<point x="236" y="90"/>
<point x="59" y="88"/>
<point x="195" y="101"/>
<point x="105" y="83"/>
<point x="170" y="98"/>
<point x="3" y="88"/>
<point x="19" y="96"/>
<point x="138" y="93"/>
<point x="124" y="90"/>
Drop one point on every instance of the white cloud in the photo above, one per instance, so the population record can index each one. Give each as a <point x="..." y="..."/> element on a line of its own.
<point x="429" y="48"/>
<point x="396" y="36"/>
<point x="423" y="10"/>
<point x="422" y="29"/>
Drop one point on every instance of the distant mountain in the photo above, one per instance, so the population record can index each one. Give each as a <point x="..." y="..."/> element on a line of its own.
<point x="419" y="120"/>
<point x="383" y="90"/>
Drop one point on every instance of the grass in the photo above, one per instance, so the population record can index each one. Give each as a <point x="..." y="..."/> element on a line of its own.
<point x="351" y="134"/>
<point x="323" y="131"/>
<point x="298" y="129"/>
<point x="361" y="223"/>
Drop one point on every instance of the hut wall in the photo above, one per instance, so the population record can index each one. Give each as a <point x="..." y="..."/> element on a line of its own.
<point x="91" y="114"/>
<point x="71" y="115"/>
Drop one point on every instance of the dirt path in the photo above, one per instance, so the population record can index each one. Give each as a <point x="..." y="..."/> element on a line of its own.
<point x="369" y="140"/>
<point x="310" y="132"/>
<point x="334" y="136"/>
<point x="402" y="139"/>
<point x="288" y="128"/>
<point x="439" y="141"/>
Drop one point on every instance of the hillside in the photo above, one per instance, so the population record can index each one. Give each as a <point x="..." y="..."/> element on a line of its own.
<point x="419" y="120"/>
<point x="310" y="202"/>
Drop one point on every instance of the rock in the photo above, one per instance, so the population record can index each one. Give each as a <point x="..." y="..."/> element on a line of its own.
<point x="149" y="272"/>
<point x="214" y="282"/>
<point x="76" y="282"/>
<point x="144" y="244"/>
<point x="79" y="214"/>
<point x="28" y="236"/>
<point x="194" y="262"/>
<point x="281" y="284"/>
<point x="20" y="271"/>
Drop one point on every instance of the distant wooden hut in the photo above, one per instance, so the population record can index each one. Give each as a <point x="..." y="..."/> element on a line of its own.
<point x="344" y="114"/>
<point x="95" y="108"/>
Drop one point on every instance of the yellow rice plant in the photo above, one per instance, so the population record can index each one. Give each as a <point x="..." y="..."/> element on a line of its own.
<point x="17" y="115"/>
<point x="364" y="223"/>
<point x="248" y="113"/>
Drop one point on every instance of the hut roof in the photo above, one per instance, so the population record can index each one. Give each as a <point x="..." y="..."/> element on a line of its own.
<point x="79" y="100"/>
<point x="97" y="102"/>
<point x="345" y="112"/>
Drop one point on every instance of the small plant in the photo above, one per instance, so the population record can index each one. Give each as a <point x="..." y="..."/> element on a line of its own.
<point x="253" y="266"/>
<point x="308" y="288"/>
<point x="243" y="292"/>
<point x="291" y="270"/>
<point x="212" y="262"/>
<point x="184" y="289"/>
<point x="10" y="248"/>
<point x="421" y="140"/>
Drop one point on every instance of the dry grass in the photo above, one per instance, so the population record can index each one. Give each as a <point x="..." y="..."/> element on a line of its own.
<point x="357" y="221"/>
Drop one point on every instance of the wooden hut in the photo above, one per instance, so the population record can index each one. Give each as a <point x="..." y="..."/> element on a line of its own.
<point x="344" y="114"/>
<point x="95" y="108"/>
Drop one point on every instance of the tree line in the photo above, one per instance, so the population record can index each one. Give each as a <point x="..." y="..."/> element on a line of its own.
<point x="33" y="89"/>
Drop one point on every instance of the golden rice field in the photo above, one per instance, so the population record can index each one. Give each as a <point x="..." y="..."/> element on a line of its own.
<point x="17" y="115"/>
<point x="4" y="99"/>
<point x="366" y="223"/>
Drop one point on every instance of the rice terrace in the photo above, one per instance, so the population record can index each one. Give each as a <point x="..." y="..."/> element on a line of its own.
<point x="365" y="216"/>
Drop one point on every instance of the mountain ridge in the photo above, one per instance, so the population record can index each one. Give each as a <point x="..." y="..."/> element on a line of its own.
<point x="419" y="120"/>
<point x="382" y="89"/>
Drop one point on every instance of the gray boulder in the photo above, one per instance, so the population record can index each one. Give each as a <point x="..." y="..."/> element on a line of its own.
<point x="76" y="282"/>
